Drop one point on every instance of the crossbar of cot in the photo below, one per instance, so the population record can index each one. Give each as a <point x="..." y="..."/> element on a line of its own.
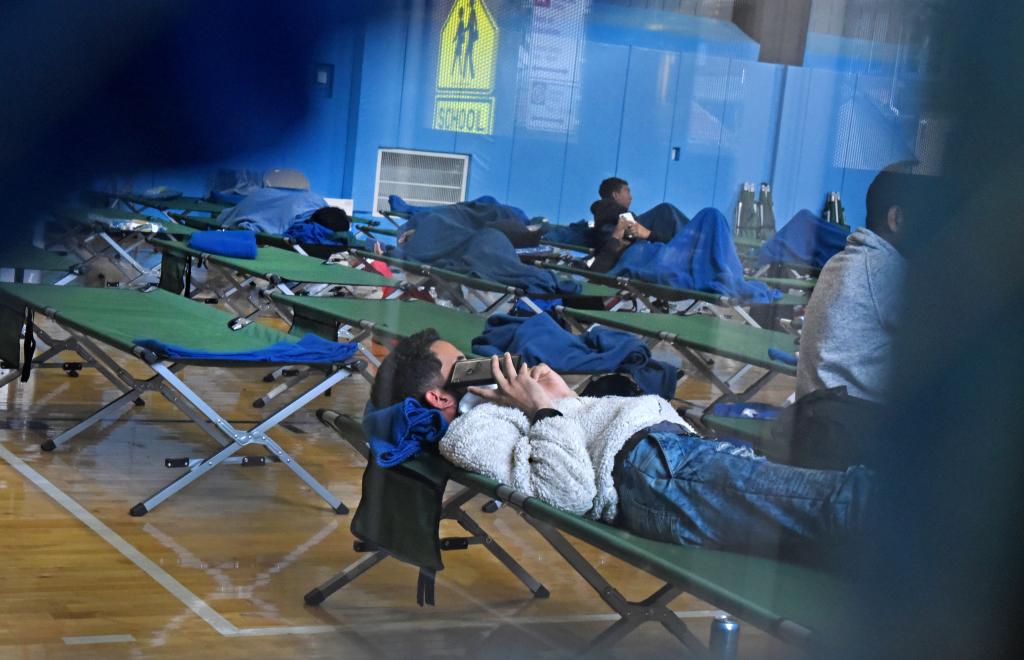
<point x="93" y="240"/>
<point x="166" y="382"/>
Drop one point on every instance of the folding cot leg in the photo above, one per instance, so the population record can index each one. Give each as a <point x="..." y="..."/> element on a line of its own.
<point x="467" y="523"/>
<point x="303" y="373"/>
<point x="238" y="439"/>
<point x="193" y="473"/>
<point x="349" y="574"/>
<point x="633" y="614"/>
<point x="121" y="252"/>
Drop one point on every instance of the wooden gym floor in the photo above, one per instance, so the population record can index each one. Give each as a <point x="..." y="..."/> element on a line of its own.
<point x="219" y="570"/>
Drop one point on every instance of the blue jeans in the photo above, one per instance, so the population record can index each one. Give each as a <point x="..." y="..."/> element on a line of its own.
<point x="688" y="490"/>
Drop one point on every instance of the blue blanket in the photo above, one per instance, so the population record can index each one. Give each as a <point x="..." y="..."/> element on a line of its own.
<point x="806" y="240"/>
<point x="577" y="233"/>
<point x="312" y="233"/>
<point x="399" y="432"/>
<point x="311" y="349"/>
<point x="701" y="256"/>
<point x="539" y="339"/>
<point x="272" y="210"/>
<point x="459" y="238"/>
<point x="399" y="205"/>
<point x="240" y="244"/>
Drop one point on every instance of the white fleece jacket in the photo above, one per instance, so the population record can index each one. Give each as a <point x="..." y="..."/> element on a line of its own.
<point x="566" y="461"/>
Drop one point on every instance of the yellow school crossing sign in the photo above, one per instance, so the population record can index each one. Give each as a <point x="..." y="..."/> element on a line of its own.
<point x="466" y="63"/>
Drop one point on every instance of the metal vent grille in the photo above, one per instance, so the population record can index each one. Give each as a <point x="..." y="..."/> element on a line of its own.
<point x="422" y="178"/>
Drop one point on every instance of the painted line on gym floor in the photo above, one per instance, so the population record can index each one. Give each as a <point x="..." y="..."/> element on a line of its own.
<point x="98" y="639"/>
<point x="216" y="621"/>
<point x="198" y="606"/>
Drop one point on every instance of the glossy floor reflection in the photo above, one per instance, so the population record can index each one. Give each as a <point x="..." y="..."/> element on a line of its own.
<point x="220" y="569"/>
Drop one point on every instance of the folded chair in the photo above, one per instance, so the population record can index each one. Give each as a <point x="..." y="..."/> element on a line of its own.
<point x="97" y="320"/>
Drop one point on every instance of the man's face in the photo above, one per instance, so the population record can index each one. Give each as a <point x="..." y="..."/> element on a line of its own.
<point x="448" y="355"/>
<point x="623" y="196"/>
<point x="445" y="400"/>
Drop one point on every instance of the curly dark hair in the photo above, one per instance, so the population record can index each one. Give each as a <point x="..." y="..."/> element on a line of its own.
<point x="333" y="218"/>
<point x="611" y="185"/>
<point x="409" y="371"/>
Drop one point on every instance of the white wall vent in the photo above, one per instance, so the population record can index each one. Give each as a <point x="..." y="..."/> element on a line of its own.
<point x="422" y="178"/>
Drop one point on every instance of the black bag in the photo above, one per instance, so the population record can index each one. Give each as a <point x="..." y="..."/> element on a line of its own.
<point x="827" y="430"/>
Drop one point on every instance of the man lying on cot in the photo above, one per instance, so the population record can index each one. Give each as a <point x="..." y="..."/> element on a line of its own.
<point x="617" y="228"/>
<point x="629" y="461"/>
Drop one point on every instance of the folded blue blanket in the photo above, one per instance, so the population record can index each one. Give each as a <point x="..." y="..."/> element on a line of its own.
<point x="785" y="357"/>
<point x="311" y="349"/>
<point x="399" y="205"/>
<point x="806" y="240"/>
<point x="311" y="233"/>
<point x="539" y="339"/>
<point x="240" y="244"/>
<point x="272" y="210"/>
<point x="701" y="256"/>
<point x="399" y="432"/>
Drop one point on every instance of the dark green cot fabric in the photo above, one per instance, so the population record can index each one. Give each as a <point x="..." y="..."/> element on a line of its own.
<point x="199" y="223"/>
<point x="12" y="317"/>
<point x="705" y="333"/>
<point x="391" y="318"/>
<point x="288" y="265"/>
<point x="30" y="257"/>
<point x="379" y="231"/>
<point x="568" y="246"/>
<point x="119" y="316"/>
<point x="588" y="288"/>
<point x="661" y="292"/>
<point x="756" y="431"/>
<point x="181" y="203"/>
<point x="763" y="591"/>
<point x="172" y="273"/>
<point x="788" y="282"/>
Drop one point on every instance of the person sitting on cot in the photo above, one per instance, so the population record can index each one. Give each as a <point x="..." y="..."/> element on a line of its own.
<point x="628" y="461"/>
<point x="851" y="319"/>
<point x="616" y="228"/>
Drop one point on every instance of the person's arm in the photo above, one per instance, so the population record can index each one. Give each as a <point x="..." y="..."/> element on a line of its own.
<point x="547" y="459"/>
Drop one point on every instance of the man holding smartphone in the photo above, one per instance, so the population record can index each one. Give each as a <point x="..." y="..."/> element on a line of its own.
<point x="617" y="227"/>
<point x="629" y="461"/>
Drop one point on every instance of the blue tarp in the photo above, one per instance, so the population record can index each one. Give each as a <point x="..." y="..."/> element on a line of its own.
<point x="399" y="205"/>
<point x="399" y="432"/>
<point x="805" y="240"/>
<point x="311" y="349"/>
<point x="271" y="210"/>
<point x="461" y="238"/>
<point x="701" y="256"/>
<point x="600" y="350"/>
<point x="240" y="244"/>
<point x="312" y="233"/>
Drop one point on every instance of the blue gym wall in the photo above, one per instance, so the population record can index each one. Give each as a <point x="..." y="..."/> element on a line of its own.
<point x="648" y="81"/>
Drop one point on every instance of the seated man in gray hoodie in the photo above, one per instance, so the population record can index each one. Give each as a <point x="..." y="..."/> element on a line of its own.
<point x="630" y="461"/>
<point x="853" y="313"/>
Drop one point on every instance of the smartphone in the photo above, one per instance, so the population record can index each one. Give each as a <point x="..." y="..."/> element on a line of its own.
<point x="627" y="216"/>
<point x="477" y="371"/>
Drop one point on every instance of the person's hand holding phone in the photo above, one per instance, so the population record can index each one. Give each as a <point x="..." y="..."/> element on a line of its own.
<point x="516" y="389"/>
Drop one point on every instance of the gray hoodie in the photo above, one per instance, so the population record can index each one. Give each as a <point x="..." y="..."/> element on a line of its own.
<point x="851" y="319"/>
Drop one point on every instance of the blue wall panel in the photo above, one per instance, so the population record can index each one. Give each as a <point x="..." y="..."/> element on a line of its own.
<point x="697" y="131"/>
<point x="647" y="124"/>
<point x="809" y="159"/>
<point x="593" y="143"/>
<point x="749" y="129"/>
<point x="380" y="100"/>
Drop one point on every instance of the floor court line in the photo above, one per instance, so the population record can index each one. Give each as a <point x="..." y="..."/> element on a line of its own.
<point x="224" y="627"/>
